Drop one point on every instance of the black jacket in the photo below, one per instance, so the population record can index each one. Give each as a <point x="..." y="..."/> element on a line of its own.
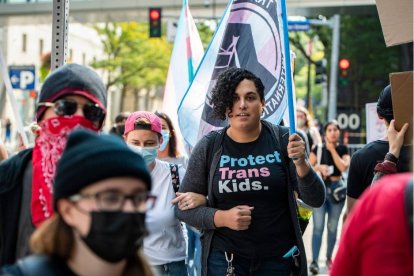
<point x="11" y="189"/>
<point x="35" y="265"/>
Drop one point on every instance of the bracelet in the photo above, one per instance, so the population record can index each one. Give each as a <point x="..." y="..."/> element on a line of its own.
<point x="391" y="157"/>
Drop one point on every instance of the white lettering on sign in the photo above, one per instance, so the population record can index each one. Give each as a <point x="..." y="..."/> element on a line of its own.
<point x="26" y="78"/>
<point x="351" y="121"/>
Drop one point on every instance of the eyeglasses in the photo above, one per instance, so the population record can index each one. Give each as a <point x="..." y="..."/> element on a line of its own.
<point x="63" y="107"/>
<point x="113" y="200"/>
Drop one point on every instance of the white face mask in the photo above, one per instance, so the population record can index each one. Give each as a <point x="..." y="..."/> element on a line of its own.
<point x="301" y="122"/>
<point x="165" y="139"/>
<point x="148" y="153"/>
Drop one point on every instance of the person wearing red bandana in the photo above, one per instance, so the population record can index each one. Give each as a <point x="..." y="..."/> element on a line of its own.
<point x="72" y="97"/>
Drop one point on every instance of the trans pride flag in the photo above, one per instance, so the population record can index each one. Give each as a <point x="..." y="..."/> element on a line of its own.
<point x="186" y="56"/>
<point x="251" y="35"/>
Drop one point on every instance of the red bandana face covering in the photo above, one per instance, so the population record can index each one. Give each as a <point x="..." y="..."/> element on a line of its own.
<point x="47" y="151"/>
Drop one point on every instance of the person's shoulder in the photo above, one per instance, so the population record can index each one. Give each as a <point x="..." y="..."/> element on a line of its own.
<point x="376" y="147"/>
<point x="37" y="264"/>
<point x="313" y="130"/>
<point x="387" y="192"/>
<point x="282" y="130"/>
<point x="205" y="143"/>
<point x="162" y="164"/>
<point x="12" y="166"/>
<point x="212" y="135"/>
<point x="343" y="148"/>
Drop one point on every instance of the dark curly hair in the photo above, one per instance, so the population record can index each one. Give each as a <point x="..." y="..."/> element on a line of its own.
<point x="172" y="149"/>
<point x="223" y="92"/>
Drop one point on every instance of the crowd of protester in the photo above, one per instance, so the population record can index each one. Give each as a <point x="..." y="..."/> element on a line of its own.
<point x="83" y="202"/>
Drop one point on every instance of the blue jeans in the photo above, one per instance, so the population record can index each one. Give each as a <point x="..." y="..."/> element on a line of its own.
<point x="334" y="210"/>
<point x="217" y="265"/>
<point x="193" y="252"/>
<point x="171" y="269"/>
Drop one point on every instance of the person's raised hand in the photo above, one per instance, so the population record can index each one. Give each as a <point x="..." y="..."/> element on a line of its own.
<point x="296" y="148"/>
<point x="396" y="138"/>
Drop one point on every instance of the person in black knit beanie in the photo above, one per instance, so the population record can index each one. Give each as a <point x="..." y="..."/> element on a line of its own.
<point x="101" y="195"/>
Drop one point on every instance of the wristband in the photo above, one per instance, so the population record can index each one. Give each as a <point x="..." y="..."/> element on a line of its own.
<point x="391" y="157"/>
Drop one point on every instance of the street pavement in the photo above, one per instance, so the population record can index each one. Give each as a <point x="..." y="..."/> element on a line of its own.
<point x="307" y="239"/>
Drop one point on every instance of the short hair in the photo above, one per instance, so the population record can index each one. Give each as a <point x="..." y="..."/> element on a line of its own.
<point x="225" y="89"/>
<point x="144" y="123"/>
<point x="384" y="104"/>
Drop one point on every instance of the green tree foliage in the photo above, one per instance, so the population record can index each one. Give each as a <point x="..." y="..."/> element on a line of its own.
<point x="362" y="42"/>
<point x="132" y="60"/>
<point x="205" y="31"/>
<point x="299" y="42"/>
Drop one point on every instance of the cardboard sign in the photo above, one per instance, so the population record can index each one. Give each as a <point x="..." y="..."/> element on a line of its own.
<point x="396" y="18"/>
<point x="402" y="102"/>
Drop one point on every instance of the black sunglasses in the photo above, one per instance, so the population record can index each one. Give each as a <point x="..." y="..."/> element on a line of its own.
<point x="64" y="107"/>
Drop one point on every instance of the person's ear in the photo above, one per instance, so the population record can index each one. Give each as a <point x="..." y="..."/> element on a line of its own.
<point x="66" y="211"/>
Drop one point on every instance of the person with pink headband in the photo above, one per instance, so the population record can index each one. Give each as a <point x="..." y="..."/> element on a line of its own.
<point x="165" y="246"/>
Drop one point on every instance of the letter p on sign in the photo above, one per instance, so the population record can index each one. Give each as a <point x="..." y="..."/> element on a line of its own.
<point x="26" y="79"/>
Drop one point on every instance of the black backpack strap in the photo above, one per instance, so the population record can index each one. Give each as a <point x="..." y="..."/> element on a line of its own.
<point x="214" y="143"/>
<point x="408" y="203"/>
<point x="175" y="177"/>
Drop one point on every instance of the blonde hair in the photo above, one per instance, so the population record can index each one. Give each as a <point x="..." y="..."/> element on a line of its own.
<point x="309" y="119"/>
<point x="55" y="238"/>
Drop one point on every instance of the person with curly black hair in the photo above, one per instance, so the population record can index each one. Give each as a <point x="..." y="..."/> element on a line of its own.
<point x="249" y="172"/>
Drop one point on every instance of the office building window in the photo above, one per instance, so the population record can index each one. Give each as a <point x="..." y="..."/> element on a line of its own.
<point x="24" y="43"/>
<point x="40" y="47"/>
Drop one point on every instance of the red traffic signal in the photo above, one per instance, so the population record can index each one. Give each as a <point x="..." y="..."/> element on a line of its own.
<point x="33" y="94"/>
<point x="154" y="16"/>
<point x="344" y="63"/>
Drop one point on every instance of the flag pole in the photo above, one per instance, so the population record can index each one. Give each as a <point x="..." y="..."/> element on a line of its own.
<point x="289" y="83"/>
<point x="13" y="102"/>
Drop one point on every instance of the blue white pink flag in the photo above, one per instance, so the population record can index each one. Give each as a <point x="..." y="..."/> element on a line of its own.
<point x="185" y="58"/>
<point x="251" y="35"/>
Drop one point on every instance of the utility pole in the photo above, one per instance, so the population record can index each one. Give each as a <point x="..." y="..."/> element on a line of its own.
<point x="59" y="33"/>
<point x="333" y="87"/>
<point x="334" y="24"/>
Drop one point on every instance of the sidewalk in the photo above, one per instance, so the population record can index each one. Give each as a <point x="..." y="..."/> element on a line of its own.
<point x="307" y="239"/>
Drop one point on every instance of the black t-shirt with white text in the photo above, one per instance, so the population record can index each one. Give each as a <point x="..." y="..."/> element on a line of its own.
<point x="252" y="174"/>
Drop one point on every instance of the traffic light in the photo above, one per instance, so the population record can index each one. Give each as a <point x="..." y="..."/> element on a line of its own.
<point x="154" y="15"/>
<point x="33" y="94"/>
<point x="320" y="71"/>
<point x="344" y="65"/>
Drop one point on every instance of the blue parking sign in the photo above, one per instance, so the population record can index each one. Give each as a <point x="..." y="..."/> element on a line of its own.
<point x="23" y="77"/>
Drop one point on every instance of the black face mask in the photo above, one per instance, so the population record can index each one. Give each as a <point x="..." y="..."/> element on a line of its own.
<point x="115" y="236"/>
